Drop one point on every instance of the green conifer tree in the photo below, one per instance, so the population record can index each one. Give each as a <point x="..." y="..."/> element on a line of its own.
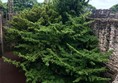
<point x="54" y="51"/>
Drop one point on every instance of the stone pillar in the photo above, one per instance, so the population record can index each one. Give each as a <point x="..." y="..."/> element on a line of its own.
<point x="105" y="37"/>
<point x="112" y="35"/>
<point x="102" y="37"/>
<point x="101" y="40"/>
<point x="1" y="37"/>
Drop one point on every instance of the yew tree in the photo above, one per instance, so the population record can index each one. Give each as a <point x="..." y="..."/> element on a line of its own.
<point x="57" y="45"/>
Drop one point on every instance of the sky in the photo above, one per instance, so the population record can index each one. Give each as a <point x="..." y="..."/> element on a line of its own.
<point x="103" y="4"/>
<point x="99" y="4"/>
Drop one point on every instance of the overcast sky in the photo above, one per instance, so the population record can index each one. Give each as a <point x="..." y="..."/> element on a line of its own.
<point x="103" y="4"/>
<point x="99" y="4"/>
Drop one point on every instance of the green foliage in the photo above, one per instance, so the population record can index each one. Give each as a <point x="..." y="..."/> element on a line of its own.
<point x="53" y="51"/>
<point x="3" y="6"/>
<point x="70" y="6"/>
<point x="73" y="7"/>
<point x="114" y="8"/>
<point x="20" y="5"/>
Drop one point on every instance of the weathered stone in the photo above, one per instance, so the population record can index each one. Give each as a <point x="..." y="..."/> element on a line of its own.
<point x="105" y="27"/>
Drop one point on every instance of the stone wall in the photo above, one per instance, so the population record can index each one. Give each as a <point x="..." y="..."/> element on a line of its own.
<point x="104" y="14"/>
<point x="105" y="27"/>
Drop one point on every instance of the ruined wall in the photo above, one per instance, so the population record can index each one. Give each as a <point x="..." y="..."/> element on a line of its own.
<point x="105" y="27"/>
<point x="107" y="32"/>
